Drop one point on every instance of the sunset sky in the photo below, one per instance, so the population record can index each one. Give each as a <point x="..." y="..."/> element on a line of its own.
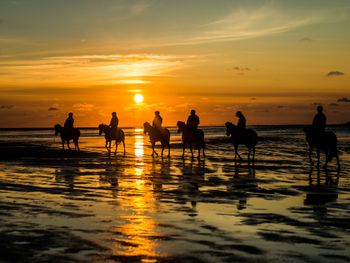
<point x="273" y="60"/>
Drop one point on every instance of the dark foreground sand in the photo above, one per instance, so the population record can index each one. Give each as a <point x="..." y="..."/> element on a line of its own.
<point x="64" y="206"/>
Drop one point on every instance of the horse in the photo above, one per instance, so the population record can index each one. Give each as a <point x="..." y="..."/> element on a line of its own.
<point x="66" y="136"/>
<point x="191" y="136"/>
<point x="247" y="137"/>
<point x="118" y="138"/>
<point x="156" y="135"/>
<point x="327" y="143"/>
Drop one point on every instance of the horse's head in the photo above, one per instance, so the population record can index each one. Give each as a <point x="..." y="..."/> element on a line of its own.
<point x="100" y="129"/>
<point x="58" y="129"/>
<point x="180" y="125"/>
<point x="229" y="128"/>
<point x="146" y="127"/>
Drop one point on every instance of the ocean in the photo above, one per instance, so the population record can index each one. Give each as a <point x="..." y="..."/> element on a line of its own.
<point x="92" y="206"/>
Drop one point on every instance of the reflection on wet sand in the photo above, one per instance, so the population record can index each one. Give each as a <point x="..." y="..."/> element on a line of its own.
<point x="87" y="206"/>
<point x="135" y="236"/>
<point x="242" y="182"/>
<point x="322" y="190"/>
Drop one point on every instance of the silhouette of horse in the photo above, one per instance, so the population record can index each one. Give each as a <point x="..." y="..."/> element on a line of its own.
<point x="191" y="136"/>
<point x="118" y="138"/>
<point x="66" y="136"/>
<point x="156" y="135"/>
<point x="327" y="143"/>
<point x="247" y="137"/>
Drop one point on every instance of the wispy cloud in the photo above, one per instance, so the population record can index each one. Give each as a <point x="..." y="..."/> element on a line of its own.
<point x="306" y="40"/>
<point x="52" y="109"/>
<point x="344" y="99"/>
<point x="92" y="69"/>
<point x="6" y="107"/>
<point x="250" y="23"/>
<point x="141" y="6"/>
<point x="84" y="107"/>
<point x="335" y="74"/>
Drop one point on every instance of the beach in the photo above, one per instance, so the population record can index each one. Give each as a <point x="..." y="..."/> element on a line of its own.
<point x="91" y="206"/>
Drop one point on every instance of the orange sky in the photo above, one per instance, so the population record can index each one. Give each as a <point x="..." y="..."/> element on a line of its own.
<point x="274" y="61"/>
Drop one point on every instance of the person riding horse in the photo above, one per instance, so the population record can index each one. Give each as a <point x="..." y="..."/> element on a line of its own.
<point x="114" y="125"/>
<point x="319" y="124"/>
<point x="69" y="124"/>
<point x="193" y="120"/>
<point x="241" y="124"/>
<point x="157" y="122"/>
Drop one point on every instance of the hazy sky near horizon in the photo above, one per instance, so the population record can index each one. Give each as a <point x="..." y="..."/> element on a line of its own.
<point x="273" y="60"/>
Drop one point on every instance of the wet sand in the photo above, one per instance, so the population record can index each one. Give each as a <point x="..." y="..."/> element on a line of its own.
<point x="65" y="206"/>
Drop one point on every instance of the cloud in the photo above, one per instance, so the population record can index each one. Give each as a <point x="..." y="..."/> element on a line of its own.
<point x="333" y="104"/>
<point x="251" y="23"/>
<point x="83" y="107"/>
<point x="52" y="109"/>
<point x="343" y="99"/>
<point x="281" y="107"/>
<point x="240" y="70"/>
<point x="140" y="7"/>
<point x="92" y="69"/>
<point x="306" y="40"/>
<point x="6" y="107"/>
<point x="335" y="73"/>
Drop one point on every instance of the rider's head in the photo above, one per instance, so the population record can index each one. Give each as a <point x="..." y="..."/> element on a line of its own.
<point x="114" y="114"/>
<point x="239" y="114"/>
<point x="319" y="109"/>
<point x="193" y="112"/>
<point x="157" y="112"/>
<point x="70" y="114"/>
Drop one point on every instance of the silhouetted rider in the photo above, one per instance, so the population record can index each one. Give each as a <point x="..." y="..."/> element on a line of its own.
<point x="69" y="123"/>
<point x="241" y="124"/>
<point x="114" y="124"/>
<point x="157" y="121"/>
<point x="319" y="122"/>
<point x="193" y="120"/>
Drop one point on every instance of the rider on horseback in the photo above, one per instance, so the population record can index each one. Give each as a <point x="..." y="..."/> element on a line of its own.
<point x="114" y="125"/>
<point x="241" y="120"/>
<point x="69" y="124"/>
<point x="319" y="123"/>
<point x="193" y="120"/>
<point x="157" y="122"/>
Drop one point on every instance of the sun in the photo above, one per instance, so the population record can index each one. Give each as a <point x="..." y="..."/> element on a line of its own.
<point x="138" y="98"/>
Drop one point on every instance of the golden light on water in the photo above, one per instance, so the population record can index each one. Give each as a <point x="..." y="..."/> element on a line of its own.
<point x="138" y="98"/>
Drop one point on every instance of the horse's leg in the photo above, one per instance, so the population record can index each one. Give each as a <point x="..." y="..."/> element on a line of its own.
<point x="199" y="152"/>
<point x="310" y="155"/>
<point x="168" y="149"/>
<point x="337" y="157"/>
<point x="124" y="146"/>
<point x="116" y="147"/>
<point x="318" y="158"/>
<point x="68" y="144"/>
<point x="62" y="144"/>
<point x="203" y="147"/>
<point x="162" y="149"/>
<point x="191" y="150"/>
<point x="183" y="149"/>
<point x="249" y="152"/>
<point x="253" y="159"/>
<point x="236" y="152"/>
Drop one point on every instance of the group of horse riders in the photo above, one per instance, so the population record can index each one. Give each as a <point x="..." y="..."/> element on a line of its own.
<point x="192" y="122"/>
<point x="316" y="134"/>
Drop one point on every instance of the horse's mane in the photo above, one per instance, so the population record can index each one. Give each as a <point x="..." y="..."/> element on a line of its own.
<point x="229" y="124"/>
<point x="180" y="123"/>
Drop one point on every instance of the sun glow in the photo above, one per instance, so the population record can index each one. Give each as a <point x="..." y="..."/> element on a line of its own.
<point x="138" y="98"/>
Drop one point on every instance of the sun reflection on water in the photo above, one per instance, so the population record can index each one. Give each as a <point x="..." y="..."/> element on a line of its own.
<point x="136" y="235"/>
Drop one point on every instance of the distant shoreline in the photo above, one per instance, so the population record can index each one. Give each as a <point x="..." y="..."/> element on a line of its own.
<point x="204" y="126"/>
